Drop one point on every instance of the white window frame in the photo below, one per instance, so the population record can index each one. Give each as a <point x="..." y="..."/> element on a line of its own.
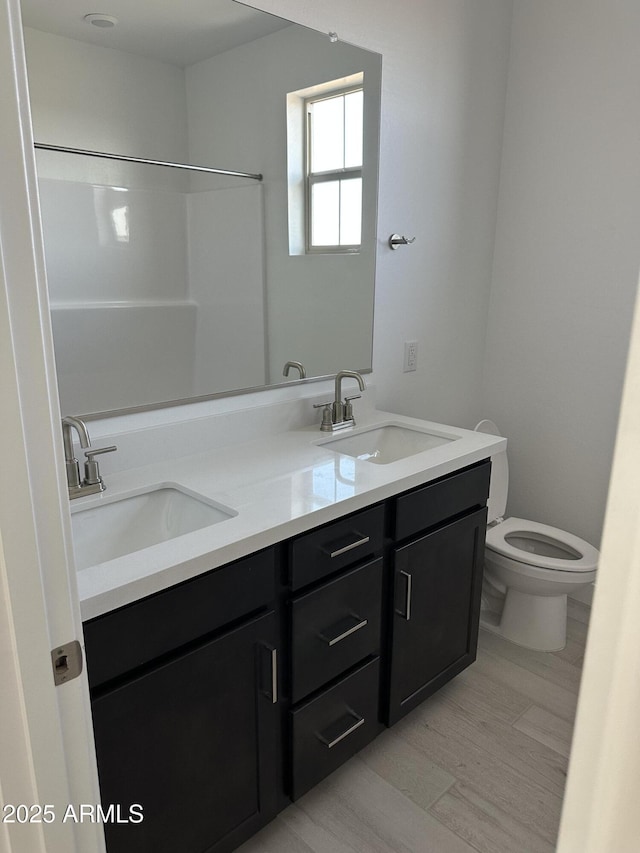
<point x="312" y="178"/>
<point x="296" y="158"/>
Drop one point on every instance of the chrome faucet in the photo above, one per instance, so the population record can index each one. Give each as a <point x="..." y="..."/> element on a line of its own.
<point x="92" y="482"/>
<point x="338" y="414"/>
<point x="299" y="366"/>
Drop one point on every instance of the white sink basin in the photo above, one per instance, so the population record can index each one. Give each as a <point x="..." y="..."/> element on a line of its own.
<point x="385" y="444"/>
<point x="114" y="527"/>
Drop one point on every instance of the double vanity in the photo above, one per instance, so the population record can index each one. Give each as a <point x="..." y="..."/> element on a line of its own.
<point x="255" y="615"/>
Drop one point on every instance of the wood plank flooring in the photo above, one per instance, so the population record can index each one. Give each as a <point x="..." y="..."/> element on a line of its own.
<point x="481" y="766"/>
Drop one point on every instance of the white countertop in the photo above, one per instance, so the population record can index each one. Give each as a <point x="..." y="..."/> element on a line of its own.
<point x="279" y="485"/>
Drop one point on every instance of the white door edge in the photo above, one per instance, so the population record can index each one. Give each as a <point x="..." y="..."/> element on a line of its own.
<point x="46" y="743"/>
<point x="601" y="799"/>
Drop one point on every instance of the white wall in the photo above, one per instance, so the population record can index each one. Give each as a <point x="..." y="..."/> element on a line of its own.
<point x="127" y="105"/>
<point x="567" y="254"/>
<point x="226" y="280"/>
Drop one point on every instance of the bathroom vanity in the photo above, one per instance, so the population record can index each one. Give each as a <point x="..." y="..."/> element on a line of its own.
<point x="219" y="698"/>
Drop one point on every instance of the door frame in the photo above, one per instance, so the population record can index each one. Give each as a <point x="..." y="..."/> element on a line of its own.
<point x="46" y="736"/>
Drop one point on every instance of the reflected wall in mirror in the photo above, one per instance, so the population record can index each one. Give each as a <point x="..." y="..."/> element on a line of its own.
<point x="168" y="284"/>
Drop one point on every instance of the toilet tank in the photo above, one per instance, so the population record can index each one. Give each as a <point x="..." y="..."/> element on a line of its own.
<point x="499" y="487"/>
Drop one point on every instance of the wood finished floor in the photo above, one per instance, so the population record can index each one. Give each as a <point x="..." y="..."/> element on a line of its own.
<point x="481" y="766"/>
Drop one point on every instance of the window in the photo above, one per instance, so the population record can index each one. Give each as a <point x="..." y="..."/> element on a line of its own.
<point x="333" y="171"/>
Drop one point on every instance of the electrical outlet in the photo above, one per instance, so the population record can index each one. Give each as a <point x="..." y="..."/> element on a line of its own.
<point x="410" y="356"/>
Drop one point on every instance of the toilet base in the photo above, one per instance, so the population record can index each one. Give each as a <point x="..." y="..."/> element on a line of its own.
<point x="537" y="622"/>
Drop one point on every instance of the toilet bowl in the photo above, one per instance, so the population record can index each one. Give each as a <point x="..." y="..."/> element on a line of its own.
<point x="529" y="569"/>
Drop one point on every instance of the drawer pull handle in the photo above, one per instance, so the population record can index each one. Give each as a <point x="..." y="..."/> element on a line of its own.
<point x="407" y="602"/>
<point x="338" y="632"/>
<point x="350" y="547"/>
<point x="329" y="737"/>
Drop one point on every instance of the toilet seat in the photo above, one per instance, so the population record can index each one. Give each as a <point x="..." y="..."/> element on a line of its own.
<point x="586" y="556"/>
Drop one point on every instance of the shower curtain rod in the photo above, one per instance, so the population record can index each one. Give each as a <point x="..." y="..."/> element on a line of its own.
<point x="44" y="147"/>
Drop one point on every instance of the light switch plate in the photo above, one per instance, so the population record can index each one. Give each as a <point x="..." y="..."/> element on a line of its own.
<point x="410" y="356"/>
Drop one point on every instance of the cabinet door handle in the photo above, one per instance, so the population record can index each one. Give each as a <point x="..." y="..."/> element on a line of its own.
<point x="342" y="629"/>
<point x="344" y="548"/>
<point x="274" y="676"/>
<point x="269" y="674"/>
<point x="407" y="601"/>
<point x="337" y="732"/>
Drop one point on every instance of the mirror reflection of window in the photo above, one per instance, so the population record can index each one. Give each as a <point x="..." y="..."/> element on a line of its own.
<point x="334" y="148"/>
<point x="112" y="214"/>
<point x="120" y="219"/>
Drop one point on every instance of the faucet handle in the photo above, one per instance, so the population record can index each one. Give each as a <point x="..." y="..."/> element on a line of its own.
<point x="91" y="471"/>
<point x="91" y="453"/>
<point x="348" y="408"/>
<point x="327" y="417"/>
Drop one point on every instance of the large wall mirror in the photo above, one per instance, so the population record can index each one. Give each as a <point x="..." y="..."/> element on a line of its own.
<point x="169" y="284"/>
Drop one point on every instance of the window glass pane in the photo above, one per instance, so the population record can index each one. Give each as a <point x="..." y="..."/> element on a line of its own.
<point x="325" y="213"/>
<point x="327" y="135"/>
<point x="353" y="129"/>
<point x="350" y="212"/>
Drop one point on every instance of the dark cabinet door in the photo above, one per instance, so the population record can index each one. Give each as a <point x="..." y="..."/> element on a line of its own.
<point x="194" y="742"/>
<point x="437" y="587"/>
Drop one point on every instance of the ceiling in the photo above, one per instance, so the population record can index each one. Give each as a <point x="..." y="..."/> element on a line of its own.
<point x="177" y="31"/>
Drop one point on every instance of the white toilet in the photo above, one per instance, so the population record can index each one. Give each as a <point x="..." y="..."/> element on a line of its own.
<point x="529" y="569"/>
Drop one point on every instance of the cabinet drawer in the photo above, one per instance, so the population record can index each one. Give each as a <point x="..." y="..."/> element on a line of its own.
<point x="334" y="726"/>
<point x="334" y="627"/>
<point x="442" y="499"/>
<point x="140" y="632"/>
<point x="335" y="546"/>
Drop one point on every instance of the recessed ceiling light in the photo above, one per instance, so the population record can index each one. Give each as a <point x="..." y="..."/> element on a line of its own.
<point x="100" y="20"/>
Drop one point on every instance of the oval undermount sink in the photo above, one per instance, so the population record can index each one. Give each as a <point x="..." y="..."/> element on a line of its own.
<point x="389" y="443"/>
<point x="113" y="527"/>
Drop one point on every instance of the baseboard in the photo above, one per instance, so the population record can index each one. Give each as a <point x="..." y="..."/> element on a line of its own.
<point x="585" y="595"/>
